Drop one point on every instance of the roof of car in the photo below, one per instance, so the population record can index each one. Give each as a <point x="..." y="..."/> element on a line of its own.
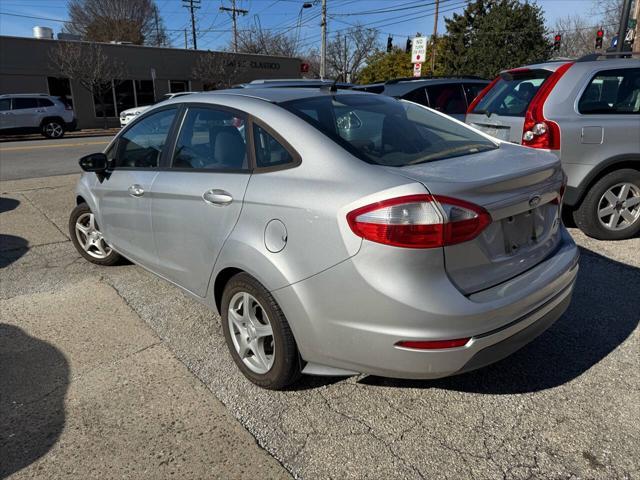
<point x="401" y="86"/>
<point x="587" y="60"/>
<point x="274" y="95"/>
<point x="291" y="82"/>
<point x="26" y="95"/>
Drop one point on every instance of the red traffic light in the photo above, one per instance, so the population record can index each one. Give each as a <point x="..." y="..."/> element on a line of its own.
<point x="600" y="33"/>
<point x="558" y="37"/>
<point x="304" y="68"/>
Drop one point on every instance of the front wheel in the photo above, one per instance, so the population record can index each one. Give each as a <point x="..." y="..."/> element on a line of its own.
<point x="611" y="208"/>
<point x="258" y="334"/>
<point x="52" y="129"/>
<point x="87" y="237"/>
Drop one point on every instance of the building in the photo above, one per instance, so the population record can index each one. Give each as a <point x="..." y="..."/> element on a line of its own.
<point x="150" y="73"/>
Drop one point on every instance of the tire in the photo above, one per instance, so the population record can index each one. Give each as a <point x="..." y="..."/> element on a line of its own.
<point x="88" y="243"/>
<point x="590" y="215"/>
<point x="285" y="359"/>
<point x="52" y="128"/>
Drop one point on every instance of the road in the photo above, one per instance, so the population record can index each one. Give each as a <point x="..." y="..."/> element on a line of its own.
<point x="43" y="158"/>
<point x="566" y="406"/>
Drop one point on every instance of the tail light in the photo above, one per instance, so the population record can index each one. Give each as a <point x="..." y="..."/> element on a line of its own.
<point x="419" y="221"/>
<point x="68" y="107"/>
<point x="538" y="132"/>
<point x="480" y="95"/>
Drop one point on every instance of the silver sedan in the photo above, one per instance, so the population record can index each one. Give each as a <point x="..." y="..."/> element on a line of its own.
<point x="335" y="232"/>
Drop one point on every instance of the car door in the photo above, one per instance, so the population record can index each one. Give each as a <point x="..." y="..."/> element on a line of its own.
<point x="124" y="197"/>
<point x="25" y="113"/>
<point x="197" y="200"/>
<point x="6" y="115"/>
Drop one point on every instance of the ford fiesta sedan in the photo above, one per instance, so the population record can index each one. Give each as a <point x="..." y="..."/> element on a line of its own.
<point x="335" y="232"/>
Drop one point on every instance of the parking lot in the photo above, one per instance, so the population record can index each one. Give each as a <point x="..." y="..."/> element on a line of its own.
<point x="565" y="406"/>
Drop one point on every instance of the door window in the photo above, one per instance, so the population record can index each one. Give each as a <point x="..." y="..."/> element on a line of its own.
<point x="211" y="139"/>
<point x="24" y="103"/>
<point x="141" y="145"/>
<point x="269" y="152"/>
<point x="472" y="90"/>
<point x="612" y="92"/>
<point x="5" y="104"/>
<point x="447" y="99"/>
<point x="44" y="103"/>
<point x="418" y="96"/>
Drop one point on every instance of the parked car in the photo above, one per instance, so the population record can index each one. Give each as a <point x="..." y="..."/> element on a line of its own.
<point x="35" y="112"/>
<point x="450" y="95"/>
<point x="336" y="232"/>
<point x="292" y="83"/>
<point x="127" y="115"/>
<point x="587" y="113"/>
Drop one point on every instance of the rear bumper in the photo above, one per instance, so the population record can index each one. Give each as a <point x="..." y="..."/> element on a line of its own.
<point x="71" y="126"/>
<point x="341" y="320"/>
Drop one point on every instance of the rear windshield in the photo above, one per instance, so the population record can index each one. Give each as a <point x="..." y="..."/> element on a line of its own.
<point x="384" y="131"/>
<point x="512" y="93"/>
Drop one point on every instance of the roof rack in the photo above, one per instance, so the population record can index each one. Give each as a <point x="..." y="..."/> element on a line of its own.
<point x="432" y="77"/>
<point x="591" y="57"/>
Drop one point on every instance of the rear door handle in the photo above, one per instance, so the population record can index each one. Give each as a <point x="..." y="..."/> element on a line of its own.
<point x="217" y="197"/>
<point x="136" y="190"/>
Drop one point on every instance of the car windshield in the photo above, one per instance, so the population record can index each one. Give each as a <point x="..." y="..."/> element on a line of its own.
<point x="384" y="131"/>
<point x="511" y="94"/>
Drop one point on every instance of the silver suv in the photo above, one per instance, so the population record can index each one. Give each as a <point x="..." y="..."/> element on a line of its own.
<point x="36" y="112"/>
<point x="587" y="112"/>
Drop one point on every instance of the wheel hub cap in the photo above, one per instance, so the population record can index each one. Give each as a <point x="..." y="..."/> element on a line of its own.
<point x="619" y="206"/>
<point x="90" y="238"/>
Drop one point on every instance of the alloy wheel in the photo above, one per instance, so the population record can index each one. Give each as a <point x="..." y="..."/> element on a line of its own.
<point x="53" y="130"/>
<point x="619" y="206"/>
<point x="251" y="332"/>
<point x="90" y="238"/>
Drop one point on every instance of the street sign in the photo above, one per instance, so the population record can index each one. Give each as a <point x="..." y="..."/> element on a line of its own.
<point x="419" y="50"/>
<point x="417" y="69"/>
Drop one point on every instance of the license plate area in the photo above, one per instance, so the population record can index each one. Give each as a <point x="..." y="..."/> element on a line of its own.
<point x="501" y="133"/>
<point x="524" y="230"/>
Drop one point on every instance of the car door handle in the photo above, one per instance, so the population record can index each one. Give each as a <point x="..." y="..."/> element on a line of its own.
<point x="136" y="190"/>
<point x="217" y="197"/>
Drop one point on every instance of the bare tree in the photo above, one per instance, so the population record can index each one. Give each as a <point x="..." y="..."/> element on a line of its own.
<point x="219" y="70"/>
<point x="347" y="52"/>
<point x="260" y="41"/>
<point x="607" y="15"/>
<point x="87" y="64"/>
<point x="136" y="21"/>
<point x="578" y="36"/>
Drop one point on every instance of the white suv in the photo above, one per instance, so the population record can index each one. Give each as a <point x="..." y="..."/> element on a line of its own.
<point x="35" y="112"/>
<point x="127" y="115"/>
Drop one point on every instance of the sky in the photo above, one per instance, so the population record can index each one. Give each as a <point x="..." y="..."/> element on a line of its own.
<point x="409" y="17"/>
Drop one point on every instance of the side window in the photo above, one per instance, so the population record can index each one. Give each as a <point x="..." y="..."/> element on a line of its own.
<point x="612" y="92"/>
<point x="5" y="104"/>
<point x="211" y="139"/>
<point x="22" y="103"/>
<point x="142" y="144"/>
<point x="418" y="96"/>
<point x="447" y="99"/>
<point x="472" y="90"/>
<point x="44" y="102"/>
<point x="269" y="152"/>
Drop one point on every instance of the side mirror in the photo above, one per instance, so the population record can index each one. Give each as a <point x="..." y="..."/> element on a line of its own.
<point x="94" y="162"/>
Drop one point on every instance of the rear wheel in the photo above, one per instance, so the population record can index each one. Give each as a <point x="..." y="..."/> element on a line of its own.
<point x="87" y="237"/>
<point x="611" y="208"/>
<point x="258" y="334"/>
<point x="52" y="129"/>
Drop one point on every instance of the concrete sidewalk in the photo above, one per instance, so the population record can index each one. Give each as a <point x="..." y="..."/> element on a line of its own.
<point x="87" y="389"/>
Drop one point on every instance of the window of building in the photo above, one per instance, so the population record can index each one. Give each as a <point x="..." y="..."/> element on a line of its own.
<point x="103" y="101"/>
<point x="60" y="87"/>
<point x="144" y="92"/>
<point x="447" y="99"/>
<point x="269" y="152"/>
<point x="141" y="146"/>
<point x="612" y="92"/>
<point x="22" y="103"/>
<point x="125" y="97"/>
<point x="212" y="139"/>
<point x="178" y="86"/>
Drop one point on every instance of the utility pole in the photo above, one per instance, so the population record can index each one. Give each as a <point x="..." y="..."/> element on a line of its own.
<point x="155" y="11"/>
<point x="624" y="25"/>
<point x="346" y="68"/>
<point x="234" y="15"/>
<point x="192" y="5"/>
<point x="186" y="43"/>
<point x="433" y="40"/>
<point x="323" y="45"/>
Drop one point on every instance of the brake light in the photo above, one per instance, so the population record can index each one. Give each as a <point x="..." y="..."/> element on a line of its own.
<point x="482" y="93"/>
<point x="419" y="221"/>
<point x="432" y="344"/>
<point x="538" y="132"/>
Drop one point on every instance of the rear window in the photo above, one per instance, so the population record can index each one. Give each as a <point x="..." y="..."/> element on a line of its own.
<point x="512" y="93"/>
<point x="384" y="131"/>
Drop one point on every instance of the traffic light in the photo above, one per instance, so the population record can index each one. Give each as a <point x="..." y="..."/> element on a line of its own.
<point x="389" y="44"/>
<point x="556" y="41"/>
<point x="408" y="47"/>
<point x="599" y="37"/>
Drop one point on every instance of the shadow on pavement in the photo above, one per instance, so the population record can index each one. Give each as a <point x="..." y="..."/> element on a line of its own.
<point x="11" y="249"/>
<point x="8" y="204"/>
<point x="34" y="377"/>
<point x="604" y="311"/>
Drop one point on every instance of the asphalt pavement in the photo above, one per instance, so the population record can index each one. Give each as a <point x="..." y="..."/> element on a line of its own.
<point x="44" y="157"/>
<point x="566" y="406"/>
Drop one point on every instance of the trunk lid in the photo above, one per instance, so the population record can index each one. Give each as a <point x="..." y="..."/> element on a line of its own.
<point x="519" y="187"/>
